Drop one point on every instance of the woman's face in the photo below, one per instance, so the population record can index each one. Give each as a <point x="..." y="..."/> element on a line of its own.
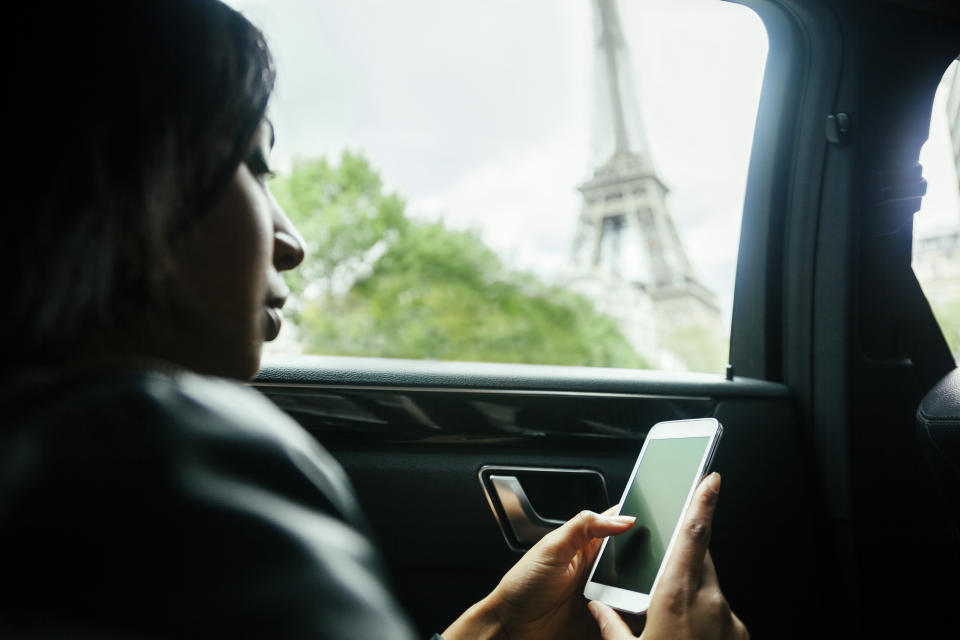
<point x="227" y="289"/>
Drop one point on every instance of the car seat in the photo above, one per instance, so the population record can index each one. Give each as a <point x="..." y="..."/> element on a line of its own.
<point x="938" y="426"/>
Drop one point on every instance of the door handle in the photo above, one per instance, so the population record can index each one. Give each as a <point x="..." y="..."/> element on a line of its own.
<point x="527" y="525"/>
<point x="561" y="492"/>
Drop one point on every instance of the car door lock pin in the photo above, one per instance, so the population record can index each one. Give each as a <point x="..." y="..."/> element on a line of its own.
<point x="838" y="128"/>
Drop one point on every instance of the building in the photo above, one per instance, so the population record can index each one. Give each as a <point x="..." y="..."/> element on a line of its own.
<point x="627" y="254"/>
<point x="953" y="114"/>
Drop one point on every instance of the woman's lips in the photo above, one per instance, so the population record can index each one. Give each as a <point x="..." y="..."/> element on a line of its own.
<point x="273" y="324"/>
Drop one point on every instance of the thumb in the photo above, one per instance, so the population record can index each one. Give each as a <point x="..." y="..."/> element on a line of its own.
<point x="612" y="627"/>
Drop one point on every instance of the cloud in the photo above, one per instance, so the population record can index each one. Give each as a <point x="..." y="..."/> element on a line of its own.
<point x="516" y="203"/>
<point x="481" y="112"/>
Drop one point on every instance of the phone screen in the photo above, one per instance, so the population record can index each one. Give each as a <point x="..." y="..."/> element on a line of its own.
<point x="660" y="487"/>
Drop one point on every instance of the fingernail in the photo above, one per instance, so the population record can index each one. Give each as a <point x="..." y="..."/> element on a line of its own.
<point x="620" y="520"/>
<point x="714" y="481"/>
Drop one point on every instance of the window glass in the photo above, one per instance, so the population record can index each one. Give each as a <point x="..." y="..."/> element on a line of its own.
<point x="936" y="229"/>
<point x="546" y="181"/>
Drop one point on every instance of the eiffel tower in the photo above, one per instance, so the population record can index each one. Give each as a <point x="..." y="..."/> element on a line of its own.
<point x="626" y="242"/>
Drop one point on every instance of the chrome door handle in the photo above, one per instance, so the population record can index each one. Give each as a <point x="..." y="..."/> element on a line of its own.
<point x="528" y="526"/>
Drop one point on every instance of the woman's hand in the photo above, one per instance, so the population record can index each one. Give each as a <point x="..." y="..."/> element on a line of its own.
<point x="542" y="595"/>
<point x="687" y="603"/>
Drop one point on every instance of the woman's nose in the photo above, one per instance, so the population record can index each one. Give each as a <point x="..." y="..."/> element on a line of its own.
<point x="288" y="244"/>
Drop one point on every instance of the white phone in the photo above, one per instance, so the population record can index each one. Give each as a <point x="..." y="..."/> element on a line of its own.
<point x="673" y="459"/>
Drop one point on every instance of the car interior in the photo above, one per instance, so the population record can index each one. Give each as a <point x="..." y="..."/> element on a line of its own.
<point x="840" y="504"/>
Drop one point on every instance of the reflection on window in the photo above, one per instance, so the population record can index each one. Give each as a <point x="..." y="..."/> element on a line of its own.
<point x="516" y="182"/>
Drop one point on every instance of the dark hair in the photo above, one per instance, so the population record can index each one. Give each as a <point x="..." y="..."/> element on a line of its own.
<point x="131" y="118"/>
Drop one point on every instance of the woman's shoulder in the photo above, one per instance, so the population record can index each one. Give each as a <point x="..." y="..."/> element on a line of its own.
<point x="151" y="406"/>
<point x="156" y="423"/>
<point x="139" y="490"/>
<point x="158" y="393"/>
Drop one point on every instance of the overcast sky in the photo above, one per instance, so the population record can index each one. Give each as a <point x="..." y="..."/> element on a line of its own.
<point x="483" y="112"/>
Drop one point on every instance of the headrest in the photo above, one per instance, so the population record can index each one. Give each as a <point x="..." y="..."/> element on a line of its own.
<point x="938" y="421"/>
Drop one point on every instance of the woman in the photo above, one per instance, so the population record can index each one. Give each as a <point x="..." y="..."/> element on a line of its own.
<point x="142" y="494"/>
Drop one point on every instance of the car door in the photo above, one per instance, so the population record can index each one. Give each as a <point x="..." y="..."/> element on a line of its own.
<point x="421" y="442"/>
<point x="461" y="466"/>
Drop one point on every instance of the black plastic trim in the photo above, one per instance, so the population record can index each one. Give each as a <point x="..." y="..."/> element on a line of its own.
<point x="480" y="377"/>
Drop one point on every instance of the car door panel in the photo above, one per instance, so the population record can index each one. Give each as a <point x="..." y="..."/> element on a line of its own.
<point x="415" y="436"/>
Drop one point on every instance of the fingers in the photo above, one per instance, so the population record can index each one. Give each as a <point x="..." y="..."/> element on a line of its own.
<point x="576" y="533"/>
<point x="709" y="578"/>
<point x="612" y="626"/>
<point x="689" y="594"/>
<point x="686" y="563"/>
<point x="739" y="631"/>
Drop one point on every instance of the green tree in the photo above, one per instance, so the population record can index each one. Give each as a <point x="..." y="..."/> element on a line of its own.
<point x="343" y="215"/>
<point x="403" y="288"/>
<point x="697" y="346"/>
<point x="948" y="317"/>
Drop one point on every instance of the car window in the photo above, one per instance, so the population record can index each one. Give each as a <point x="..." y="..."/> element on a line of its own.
<point x="936" y="237"/>
<point x="552" y="181"/>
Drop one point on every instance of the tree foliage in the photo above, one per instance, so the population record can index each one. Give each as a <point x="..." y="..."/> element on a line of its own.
<point x="697" y="346"/>
<point x="379" y="283"/>
<point x="947" y="314"/>
<point x="342" y="214"/>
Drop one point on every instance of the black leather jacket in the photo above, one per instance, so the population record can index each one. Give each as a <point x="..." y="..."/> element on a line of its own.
<point x="140" y="503"/>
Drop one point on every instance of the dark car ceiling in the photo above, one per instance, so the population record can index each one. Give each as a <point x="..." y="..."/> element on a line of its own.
<point x="946" y="8"/>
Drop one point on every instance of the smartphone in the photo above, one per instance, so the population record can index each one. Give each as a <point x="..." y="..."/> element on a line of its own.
<point x="674" y="458"/>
